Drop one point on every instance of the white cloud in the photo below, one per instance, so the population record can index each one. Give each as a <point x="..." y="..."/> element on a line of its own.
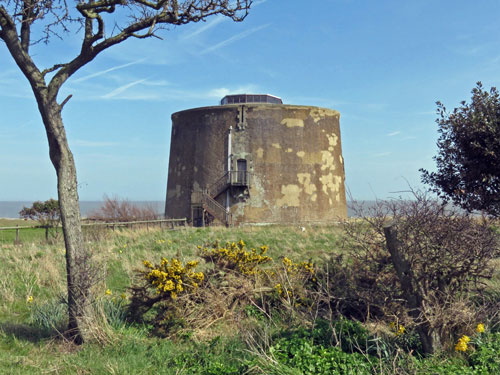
<point x="207" y="26"/>
<point x="121" y="89"/>
<point x="220" y="92"/>
<point x="234" y="38"/>
<point x="393" y="133"/>
<point x="97" y="74"/>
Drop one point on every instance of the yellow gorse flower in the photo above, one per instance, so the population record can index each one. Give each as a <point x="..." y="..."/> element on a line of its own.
<point x="170" y="277"/>
<point x="29" y="299"/>
<point x="397" y="329"/>
<point x="108" y="292"/>
<point x="235" y="256"/>
<point x="480" y="328"/>
<point x="461" y="345"/>
<point x="302" y="267"/>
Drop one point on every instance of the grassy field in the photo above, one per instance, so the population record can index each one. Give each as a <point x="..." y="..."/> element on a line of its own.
<point x="32" y="312"/>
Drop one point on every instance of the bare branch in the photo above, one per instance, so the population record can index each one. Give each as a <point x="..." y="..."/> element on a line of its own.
<point x="65" y="101"/>
<point x="49" y="70"/>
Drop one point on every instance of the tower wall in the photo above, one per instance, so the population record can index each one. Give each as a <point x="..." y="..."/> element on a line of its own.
<point x="293" y="155"/>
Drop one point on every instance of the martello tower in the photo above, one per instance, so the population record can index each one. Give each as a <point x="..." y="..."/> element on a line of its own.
<point x="255" y="160"/>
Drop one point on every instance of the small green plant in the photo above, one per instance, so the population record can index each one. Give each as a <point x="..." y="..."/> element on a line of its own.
<point x="303" y="355"/>
<point x="50" y="317"/>
<point x="485" y="359"/>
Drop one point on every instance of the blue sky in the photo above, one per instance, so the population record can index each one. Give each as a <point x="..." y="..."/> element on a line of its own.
<point x="382" y="64"/>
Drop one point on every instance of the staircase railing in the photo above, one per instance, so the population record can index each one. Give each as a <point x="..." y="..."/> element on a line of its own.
<point x="239" y="178"/>
<point x="215" y="208"/>
<point x="219" y="186"/>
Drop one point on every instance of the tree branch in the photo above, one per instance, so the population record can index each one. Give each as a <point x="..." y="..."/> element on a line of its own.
<point x="8" y="33"/>
<point x="49" y="70"/>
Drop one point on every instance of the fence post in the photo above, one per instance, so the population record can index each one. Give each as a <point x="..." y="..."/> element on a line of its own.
<point x="17" y="233"/>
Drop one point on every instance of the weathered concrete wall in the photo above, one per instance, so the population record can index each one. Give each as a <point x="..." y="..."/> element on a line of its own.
<point x="294" y="155"/>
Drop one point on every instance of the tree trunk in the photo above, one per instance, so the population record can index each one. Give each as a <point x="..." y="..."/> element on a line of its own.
<point x="77" y="256"/>
<point x="428" y="338"/>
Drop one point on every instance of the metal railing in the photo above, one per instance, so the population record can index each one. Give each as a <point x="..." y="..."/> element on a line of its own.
<point x="239" y="178"/>
<point x="216" y="209"/>
<point x="219" y="186"/>
<point x="231" y="178"/>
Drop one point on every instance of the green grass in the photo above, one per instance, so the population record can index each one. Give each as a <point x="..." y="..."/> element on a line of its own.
<point x="36" y="269"/>
<point x="30" y="344"/>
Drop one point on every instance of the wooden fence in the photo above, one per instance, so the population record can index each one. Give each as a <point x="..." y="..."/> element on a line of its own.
<point x="166" y="223"/>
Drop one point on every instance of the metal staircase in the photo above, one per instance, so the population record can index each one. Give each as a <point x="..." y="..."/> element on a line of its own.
<point x="205" y="200"/>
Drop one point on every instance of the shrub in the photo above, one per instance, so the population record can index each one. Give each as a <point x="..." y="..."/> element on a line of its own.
<point x="314" y="359"/>
<point x="235" y="256"/>
<point x="162" y="282"/>
<point x="429" y="256"/>
<point x="115" y="210"/>
<point x="484" y="356"/>
<point x="46" y="213"/>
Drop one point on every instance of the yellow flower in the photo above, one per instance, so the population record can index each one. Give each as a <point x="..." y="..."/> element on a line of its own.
<point x="401" y="330"/>
<point x="461" y="345"/>
<point x="108" y="292"/>
<point x="123" y="296"/>
<point x="29" y="299"/>
<point x="480" y="328"/>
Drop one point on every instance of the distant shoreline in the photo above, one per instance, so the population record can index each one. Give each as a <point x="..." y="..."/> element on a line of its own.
<point x="10" y="209"/>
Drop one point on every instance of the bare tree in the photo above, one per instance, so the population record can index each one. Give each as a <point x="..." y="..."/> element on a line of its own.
<point x="26" y="22"/>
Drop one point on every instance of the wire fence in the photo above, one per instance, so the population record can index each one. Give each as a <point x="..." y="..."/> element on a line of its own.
<point x="15" y="233"/>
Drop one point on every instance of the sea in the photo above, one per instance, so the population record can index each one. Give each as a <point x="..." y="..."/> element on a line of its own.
<point x="10" y="209"/>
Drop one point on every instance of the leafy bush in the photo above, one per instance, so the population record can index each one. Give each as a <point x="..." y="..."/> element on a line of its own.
<point x="423" y="254"/>
<point x="485" y="359"/>
<point x="313" y="359"/>
<point x="46" y="213"/>
<point x="162" y="283"/>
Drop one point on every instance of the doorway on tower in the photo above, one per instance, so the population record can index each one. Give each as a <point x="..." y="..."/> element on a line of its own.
<point x="241" y="172"/>
<point x="201" y="217"/>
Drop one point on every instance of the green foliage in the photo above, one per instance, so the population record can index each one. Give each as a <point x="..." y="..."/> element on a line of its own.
<point x="349" y="335"/>
<point x="314" y="359"/>
<point x="485" y="359"/>
<point x="439" y="365"/>
<point x="468" y="160"/>
<point x="159" y="286"/>
<point x="50" y="317"/>
<point x="218" y="357"/>
<point x="422" y="266"/>
<point x="115" y="310"/>
<point x="46" y="213"/>
<point x="227" y="304"/>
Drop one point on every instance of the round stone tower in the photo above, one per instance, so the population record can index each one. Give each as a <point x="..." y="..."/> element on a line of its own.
<point x="254" y="160"/>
